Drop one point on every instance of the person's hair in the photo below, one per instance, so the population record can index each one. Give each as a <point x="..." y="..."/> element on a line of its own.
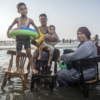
<point x="43" y="15"/>
<point x="51" y="26"/>
<point x="85" y="31"/>
<point x="20" y="4"/>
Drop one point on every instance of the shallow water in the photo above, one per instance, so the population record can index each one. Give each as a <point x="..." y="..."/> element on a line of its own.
<point x="13" y="89"/>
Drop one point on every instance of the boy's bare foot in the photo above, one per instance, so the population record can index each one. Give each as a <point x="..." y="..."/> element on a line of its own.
<point x="39" y="57"/>
<point x="34" y="71"/>
<point x="16" y="71"/>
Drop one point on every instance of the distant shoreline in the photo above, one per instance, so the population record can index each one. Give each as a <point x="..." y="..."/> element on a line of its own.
<point x="59" y="45"/>
<point x="7" y="46"/>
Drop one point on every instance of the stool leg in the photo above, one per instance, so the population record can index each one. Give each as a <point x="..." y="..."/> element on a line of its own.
<point x="55" y="79"/>
<point x="32" y="82"/>
<point x="86" y="93"/>
<point x="24" y="85"/>
<point x="43" y="66"/>
<point x="52" y="85"/>
<point x="4" y="81"/>
<point x="38" y="65"/>
<point x="46" y="65"/>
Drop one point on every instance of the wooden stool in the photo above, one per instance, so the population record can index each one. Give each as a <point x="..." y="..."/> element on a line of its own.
<point x="22" y="75"/>
<point x="44" y="73"/>
<point x="86" y="84"/>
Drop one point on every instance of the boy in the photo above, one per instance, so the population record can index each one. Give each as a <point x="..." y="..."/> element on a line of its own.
<point x="49" y="45"/>
<point x="22" y="21"/>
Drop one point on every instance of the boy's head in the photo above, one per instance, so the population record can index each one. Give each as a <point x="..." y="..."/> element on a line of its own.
<point x="43" y="19"/>
<point x="22" y="9"/>
<point x="51" y="29"/>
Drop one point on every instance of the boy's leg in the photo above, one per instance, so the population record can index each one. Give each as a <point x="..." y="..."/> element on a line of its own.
<point x="50" y="56"/>
<point x="28" y="51"/>
<point x="40" y="50"/>
<point x="18" y="53"/>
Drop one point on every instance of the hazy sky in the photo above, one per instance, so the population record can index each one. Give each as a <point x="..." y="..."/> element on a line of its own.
<point x="66" y="15"/>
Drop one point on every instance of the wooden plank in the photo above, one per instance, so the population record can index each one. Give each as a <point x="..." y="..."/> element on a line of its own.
<point x="45" y="73"/>
<point x="14" y="53"/>
<point x="87" y="61"/>
<point x="92" y="81"/>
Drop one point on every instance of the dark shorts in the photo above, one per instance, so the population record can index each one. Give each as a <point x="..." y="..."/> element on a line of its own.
<point x="20" y="42"/>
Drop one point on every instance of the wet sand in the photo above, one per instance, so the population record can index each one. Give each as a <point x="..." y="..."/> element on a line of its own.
<point x="13" y="91"/>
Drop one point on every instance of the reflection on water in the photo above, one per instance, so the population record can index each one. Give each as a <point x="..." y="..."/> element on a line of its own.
<point x="13" y="89"/>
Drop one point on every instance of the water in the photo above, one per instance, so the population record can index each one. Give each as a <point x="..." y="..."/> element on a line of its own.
<point x="13" y="89"/>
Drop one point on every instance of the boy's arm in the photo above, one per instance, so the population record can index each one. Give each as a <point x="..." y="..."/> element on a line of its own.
<point x="56" y="37"/>
<point x="10" y="27"/>
<point x="36" y="28"/>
